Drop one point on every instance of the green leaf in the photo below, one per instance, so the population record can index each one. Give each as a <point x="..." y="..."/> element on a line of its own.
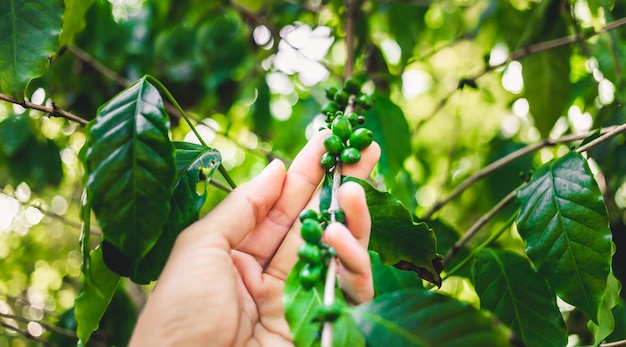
<point x="391" y="132"/>
<point x="131" y="169"/>
<point x="73" y="19"/>
<point x="397" y="238"/>
<point x="15" y="131"/>
<point x="509" y="287"/>
<point x="85" y="228"/>
<point x="301" y="307"/>
<point x="389" y="279"/>
<point x="417" y="317"/>
<point x="606" y="320"/>
<point x="98" y="287"/>
<point x="29" y="32"/>
<point x="191" y="161"/>
<point x="565" y="225"/>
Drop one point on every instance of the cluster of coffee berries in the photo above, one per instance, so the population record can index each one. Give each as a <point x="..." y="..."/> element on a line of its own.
<point x="314" y="253"/>
<point x="348" y="138"/>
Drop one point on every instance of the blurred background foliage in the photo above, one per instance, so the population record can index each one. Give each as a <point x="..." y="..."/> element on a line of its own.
<point x="458" y="84"/>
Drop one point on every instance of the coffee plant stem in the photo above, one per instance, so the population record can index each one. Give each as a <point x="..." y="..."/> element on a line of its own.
<point x="486" y="243"/>
<point x="471" y="232"/>
<point x="171" y="98"/>
<point x="480" y="174"/>
<point x="518" y="55"/>
<point x="54" y="111"/>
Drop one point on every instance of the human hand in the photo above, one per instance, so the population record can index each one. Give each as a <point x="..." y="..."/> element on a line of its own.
<point x="224" y="280"/>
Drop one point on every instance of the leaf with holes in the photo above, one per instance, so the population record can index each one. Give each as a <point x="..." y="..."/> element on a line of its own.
<point x="418" y="317"/>
<point x="565" y="225"/>
<point x="131" y="169"/>
<point x="29" y="36"/>
<point x="509" y="287"/>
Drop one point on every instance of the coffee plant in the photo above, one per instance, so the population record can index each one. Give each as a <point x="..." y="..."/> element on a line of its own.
<point x="498" y="206"/>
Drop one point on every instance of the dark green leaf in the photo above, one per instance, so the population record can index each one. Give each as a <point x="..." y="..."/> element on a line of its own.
<point x="391" y="132"/>
<point x="397" y="238"/>
<point x="73" y="19"/>
<point x="38" y="163"/>
<point x="120" y="317"/>
<point x="509" y="287"/>
<point x="14" y="133"/>
<point x="417" y="317"/>
<point x="29" y="36"/>
<point x="564" y="223"/>
<point x="98" y="287"/>
<point x="191" y="161"/>
<point x="131" y="169"/>
<point x="606" y="320"/>
<point x="389" y="279"/>
<point x="301" y="307"/>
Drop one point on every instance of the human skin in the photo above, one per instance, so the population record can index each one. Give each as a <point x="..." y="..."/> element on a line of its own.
<point x="224" y="280"/>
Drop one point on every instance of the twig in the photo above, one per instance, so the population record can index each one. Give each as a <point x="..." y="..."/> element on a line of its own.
<point x="610" y="344"/>
<point x="515" y="155"/>
<point x="54" y="111"/>
<point x="471" y="232"/>
<point x="46" y="326"/>
<point x="520" y="54"/>
<point x="25" y="333"/>
<point x="98" y="66"/>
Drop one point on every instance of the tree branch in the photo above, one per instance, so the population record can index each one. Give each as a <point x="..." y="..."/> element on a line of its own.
<point x="46" y="326"/>
<point x="54" y="111"/>
<point x="24" y="333"/>
<point x="518" y="55"/>
<point x="608" y="133"/>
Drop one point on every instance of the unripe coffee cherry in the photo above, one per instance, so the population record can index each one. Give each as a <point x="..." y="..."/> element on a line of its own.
<point x="307" y="214"/>
<point x="365" y="101"/>
<point x="311" y="231"/>
<point x="352" y="85"/>
<point x="361" y="138"/>
<point x="310" y="275"/>
<point x="341" y="127"/>
<point x="350" y="155"/>
<point x="328" y="160"/>
<point x="333" y="144"/>
<point x="341" y="98"/>
<point x="331" y="107"/>
<point x="330" y="93"/>
<point x="310" y="253"/>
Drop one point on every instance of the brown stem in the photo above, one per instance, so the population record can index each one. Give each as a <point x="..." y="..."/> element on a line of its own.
<point x="54" y="111"/>
<point x="46" y="326"/>
<point x="608" y="132"/>
<point x="518" y="55"/>
<point x="24" y="333"/>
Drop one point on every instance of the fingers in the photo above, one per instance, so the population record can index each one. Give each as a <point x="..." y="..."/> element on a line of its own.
<point x="300" y="183"/>
<point x="354" y="205"/>
<point x="355" y="272"/>
<point x="246" y="206"/>
<point x="286" y="256"/>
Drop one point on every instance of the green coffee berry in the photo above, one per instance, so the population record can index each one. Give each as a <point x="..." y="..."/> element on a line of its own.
<point x="327" y="313"/>
<point x="341" y="127"/>
<point x="341" y="98"/>
<point x="307" y="214"/>
<point x="310" y="275"/>
<point x="364" y="101"/>
<point x="361" y="120"/>
<point x="350" y="155"/>
<point x="333" y="144"/>
<point x="352" y="85"/>
<point x="310" y="253"/>
<point x="361" y="138"/>
<point x="328" y="161"/>
<point x="353" y="117"/>
<point x="311" y="231"/>
<point x="331" y="107"/>
<point x="330" y="93"/>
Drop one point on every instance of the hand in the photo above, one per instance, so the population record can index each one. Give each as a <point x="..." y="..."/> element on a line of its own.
<point x="224" y="280"/>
